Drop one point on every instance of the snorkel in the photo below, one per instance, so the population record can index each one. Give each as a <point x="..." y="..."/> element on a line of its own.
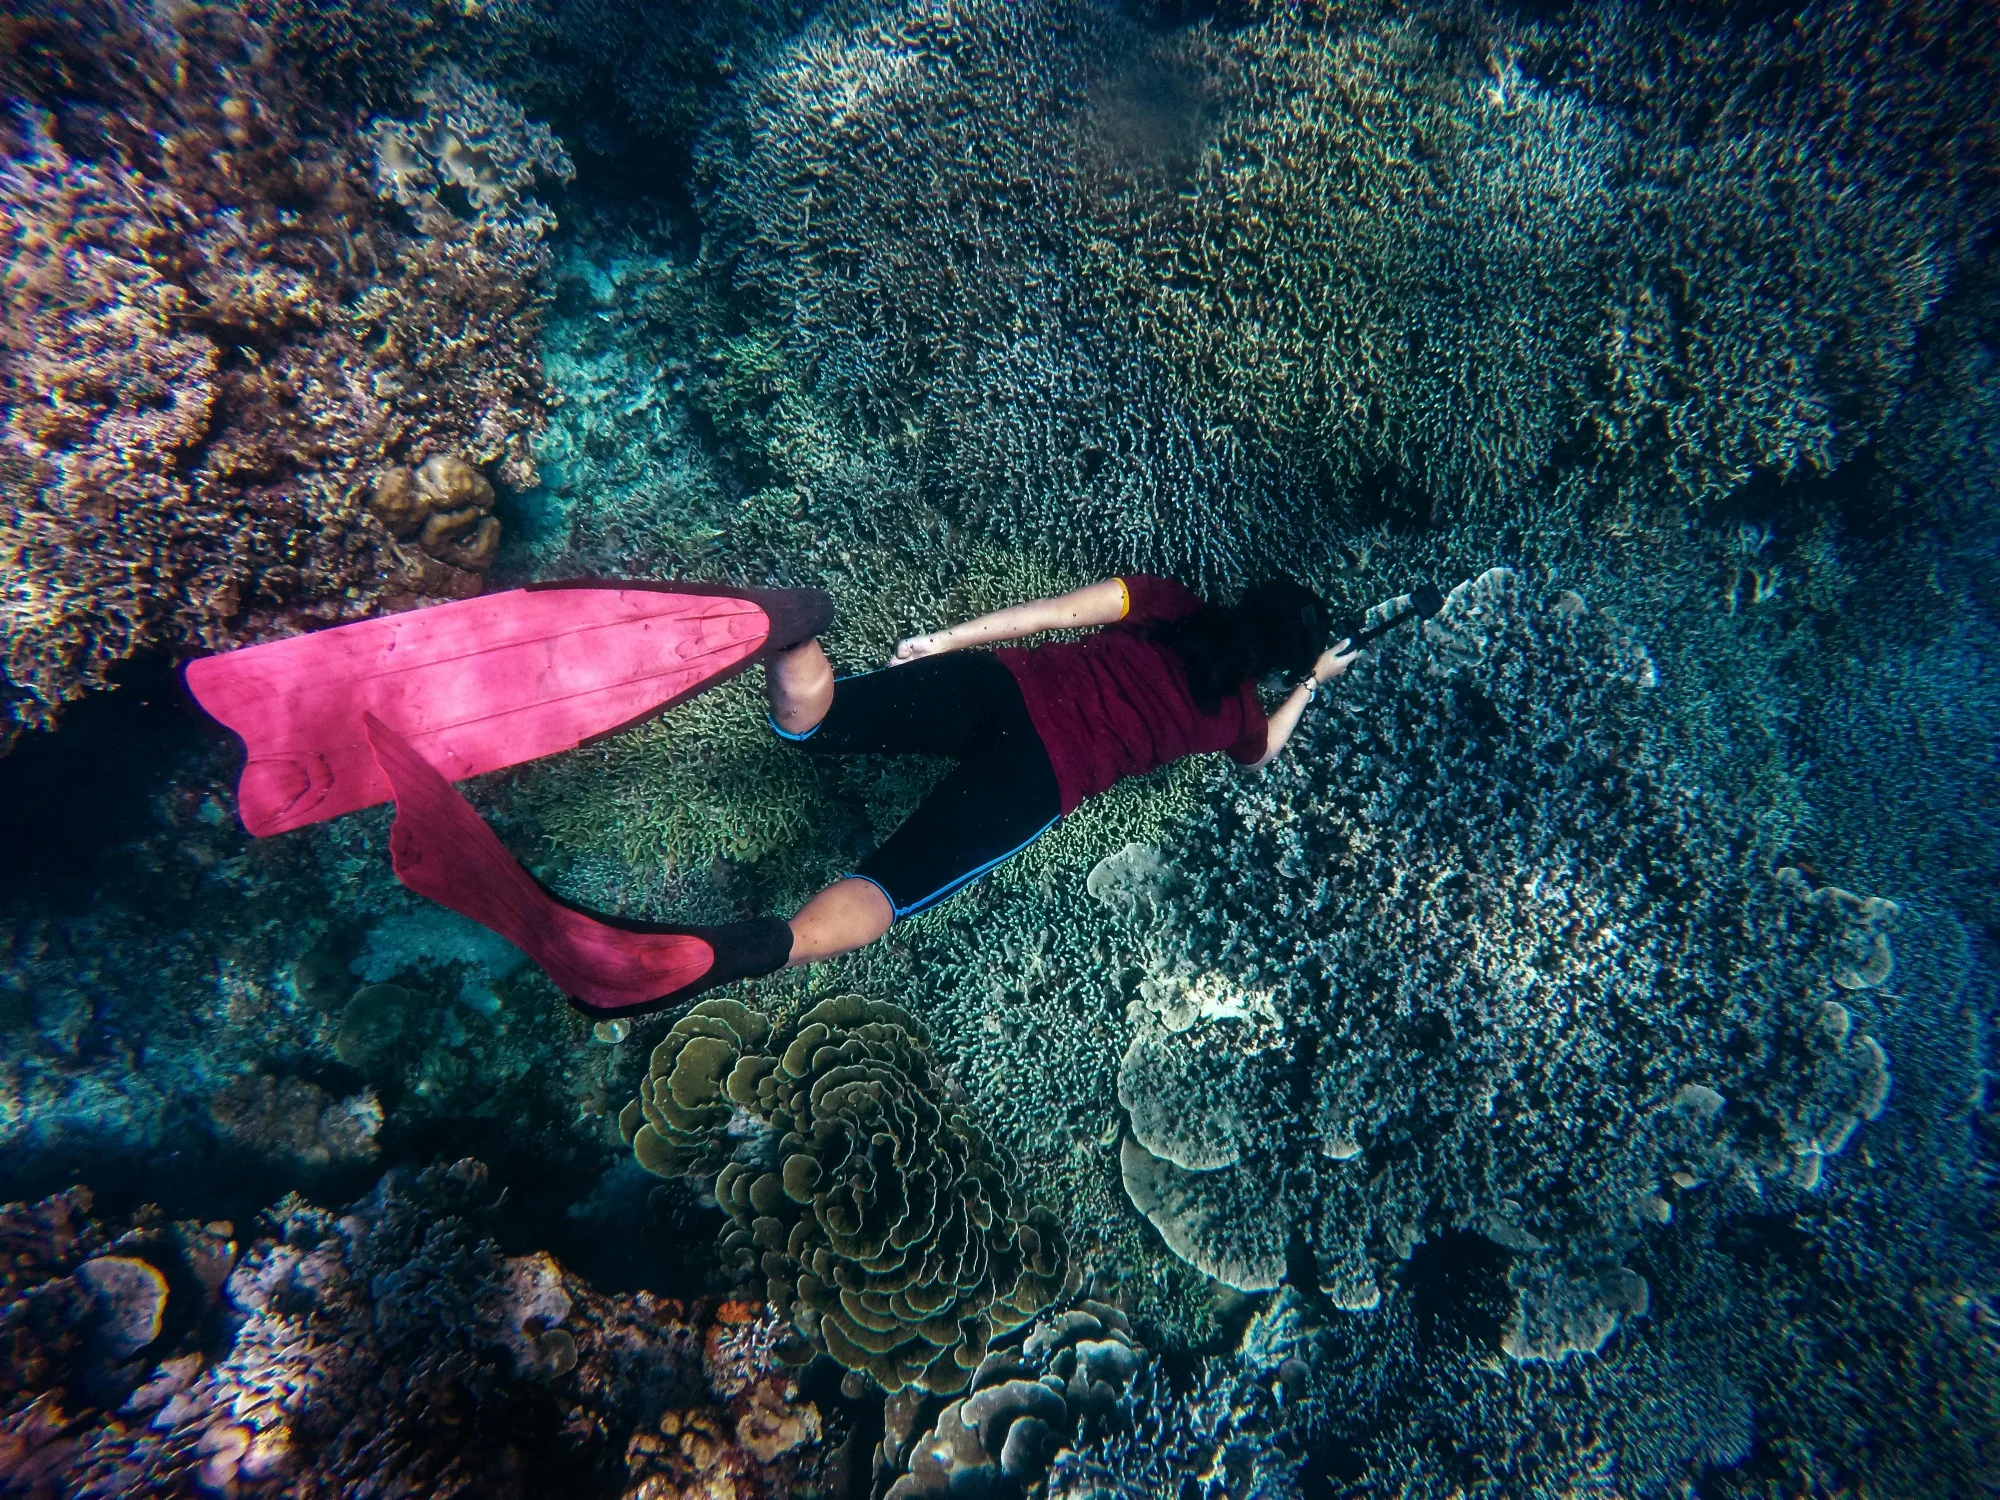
<point x="1420" y="603"/>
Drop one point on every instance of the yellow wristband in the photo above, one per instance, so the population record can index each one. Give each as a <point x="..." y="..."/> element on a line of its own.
<point x="1125" y="594"/>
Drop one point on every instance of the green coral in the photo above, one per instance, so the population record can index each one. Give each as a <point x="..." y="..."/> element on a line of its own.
<point x="885" y="1224"/>
<point x="708" y="781"/>
<point x="1378" y="259"/>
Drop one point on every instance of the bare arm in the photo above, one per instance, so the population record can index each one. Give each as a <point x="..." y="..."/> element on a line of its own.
<point x="1330" y="665"/>
<point x="1099" y="604"/>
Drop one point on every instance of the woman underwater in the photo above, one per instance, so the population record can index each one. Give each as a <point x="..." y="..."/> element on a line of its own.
<point x="1035" y="730"/>
<point x="402" y="705"/>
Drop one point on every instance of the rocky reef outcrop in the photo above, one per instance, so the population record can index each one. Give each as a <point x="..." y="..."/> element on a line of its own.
<point x="228" y="313"/>
<point x="389" y="1348"/>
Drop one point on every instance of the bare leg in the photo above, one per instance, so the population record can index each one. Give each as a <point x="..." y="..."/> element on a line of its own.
<point x="799" y="683"/>
<point x="848" y="914"/>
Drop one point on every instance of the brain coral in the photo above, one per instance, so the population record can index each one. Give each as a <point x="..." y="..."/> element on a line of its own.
<point x="1530" y="981"/>
<point x="213" y="332"/>
<point x="886" y="1226"/>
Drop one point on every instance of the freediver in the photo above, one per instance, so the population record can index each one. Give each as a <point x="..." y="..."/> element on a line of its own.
<point x="399" y="707"/>
<point x="1038" y="730"/>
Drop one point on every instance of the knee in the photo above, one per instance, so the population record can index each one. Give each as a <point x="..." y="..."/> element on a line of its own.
<point x="848" y="914"/>
<point x="799" y="683"/>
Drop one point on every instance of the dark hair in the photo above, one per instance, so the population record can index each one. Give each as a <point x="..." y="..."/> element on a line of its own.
<point x="1277" y="625"/>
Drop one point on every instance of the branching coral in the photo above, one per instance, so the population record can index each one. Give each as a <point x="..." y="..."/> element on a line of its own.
<point x="213" y="333"/>
<point x="1800" y="192"/>
<point x="1376" y="259"/>
<point x="1459" y="248"/>
<point x="1532" y="985"/>
<point x="885" y="1225"/>
<point x="903" y="187"/>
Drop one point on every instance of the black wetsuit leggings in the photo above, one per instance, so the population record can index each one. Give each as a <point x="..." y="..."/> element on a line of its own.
<point x="995" y="802"/>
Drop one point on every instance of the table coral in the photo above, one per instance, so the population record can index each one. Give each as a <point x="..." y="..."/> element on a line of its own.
<point x="1532" y="984"/>
<point x="215" y="332"/>
<point x="885" y="1225"/>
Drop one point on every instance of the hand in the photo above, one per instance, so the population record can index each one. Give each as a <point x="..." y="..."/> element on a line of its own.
<point x="1333" y="661"/>
<point x="914" y="649"/>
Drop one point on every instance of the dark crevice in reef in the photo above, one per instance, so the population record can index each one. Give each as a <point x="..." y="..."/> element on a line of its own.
<point x="643" y="181"/>
<point x="1458" y="1288"/>
<point x="1301" y="1265"/>
<point x="636" y="1234"/>
<point x="861" y="1416"/>
<point x="203" y="1179"/>
<point x="1329" y="1468"/>
<point x="1856" y="491"/>
<point x="1387" y="498"/>
<point x="72" y="799"/>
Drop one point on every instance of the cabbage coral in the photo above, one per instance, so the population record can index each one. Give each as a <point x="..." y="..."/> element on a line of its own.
<point x="883" y="1221"/>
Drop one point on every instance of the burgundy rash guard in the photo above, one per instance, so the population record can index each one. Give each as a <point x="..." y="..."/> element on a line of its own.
<point x="1117" y="704"/>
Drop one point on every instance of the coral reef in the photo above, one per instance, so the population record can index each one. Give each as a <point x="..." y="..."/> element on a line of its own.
<point x="1381" y="258"/>
<point x="1802" y="193"/>
<point x="1492" y="1096"/>
<point x="474" y="145"/>
<point x="903" y="187"/>
<point x="1427" y="259"/>
<point x="1445" y="248"/>
<point x="1079" y="1408"/>
<point x="389" y="1349"/>
<point x="1529" y="985"/>
<point x="215" y="332"/>
<point x="884" y="1223"/>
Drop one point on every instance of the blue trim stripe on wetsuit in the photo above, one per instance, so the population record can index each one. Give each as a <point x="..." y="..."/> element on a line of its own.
<point x="998" y="799"/>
